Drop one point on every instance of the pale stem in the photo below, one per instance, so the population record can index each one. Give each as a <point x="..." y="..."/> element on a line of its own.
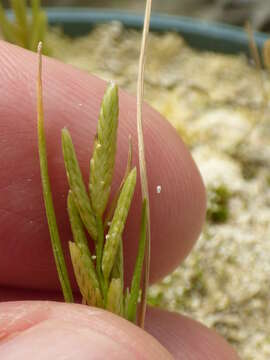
<point x="143" y="173"/>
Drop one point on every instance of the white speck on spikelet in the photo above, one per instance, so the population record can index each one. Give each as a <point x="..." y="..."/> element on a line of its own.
<point x="158" y="189"/>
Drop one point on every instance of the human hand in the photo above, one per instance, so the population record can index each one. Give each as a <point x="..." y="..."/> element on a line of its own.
<point x="42" y="330"/>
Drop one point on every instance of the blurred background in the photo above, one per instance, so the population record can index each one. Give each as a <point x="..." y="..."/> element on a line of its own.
<point x="235" y="12"/>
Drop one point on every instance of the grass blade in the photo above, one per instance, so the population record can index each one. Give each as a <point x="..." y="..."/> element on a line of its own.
<point x="77" y="186"/>
<point x="118" y="222"/>
<point x="102" y="162"/>
<point x="136" y="280"/>
<point x="82" y="270"/>
<point x="47" y="195"/>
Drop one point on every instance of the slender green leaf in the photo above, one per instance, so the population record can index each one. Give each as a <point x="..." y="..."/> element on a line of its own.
<point x="102" y="162"/>
<point x="86" y="282"/>
<point x="118" y="222"/>
<point x="136" y="280"/>
<point x="115" y="297"/>
<point x="47" y="195"/>
<point x="77" y="186"/>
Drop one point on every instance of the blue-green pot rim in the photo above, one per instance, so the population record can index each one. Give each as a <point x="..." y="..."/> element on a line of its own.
<point x="199" y="34"/>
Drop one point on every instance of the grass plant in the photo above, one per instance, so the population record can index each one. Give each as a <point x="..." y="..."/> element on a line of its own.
<point x="100" y="276"/>
<point x="27" y="27"/>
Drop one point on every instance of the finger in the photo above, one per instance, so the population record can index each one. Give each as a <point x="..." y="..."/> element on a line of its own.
<point x="186" y="338"/>
<point x="72" y="99"/>
<point x="46" y="330"/>
<point x="29" y="327"/>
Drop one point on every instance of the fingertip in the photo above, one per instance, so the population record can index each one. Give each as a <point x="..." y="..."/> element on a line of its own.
<point x="71" y="331"/>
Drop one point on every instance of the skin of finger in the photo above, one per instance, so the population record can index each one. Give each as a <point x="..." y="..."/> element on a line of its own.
<point x="26" y="326"/>
<point x="44" y="330"/>
<point x="72" y="98"/>
<point x="186" y="338"/>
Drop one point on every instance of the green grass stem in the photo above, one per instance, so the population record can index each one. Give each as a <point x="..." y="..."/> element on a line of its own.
<point x="136" y="280"/>
<point x="47" y="195"/>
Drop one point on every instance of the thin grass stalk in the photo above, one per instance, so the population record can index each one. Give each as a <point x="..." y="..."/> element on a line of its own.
<point x="38" y="26"/>
<point x="142" y="162"/>
<point x="259" y="68"/>
<point x="47" y="195"/>
<point x="137" y="275"/>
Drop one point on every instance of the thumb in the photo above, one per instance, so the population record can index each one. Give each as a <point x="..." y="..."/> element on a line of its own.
<point x="50" y="330"/>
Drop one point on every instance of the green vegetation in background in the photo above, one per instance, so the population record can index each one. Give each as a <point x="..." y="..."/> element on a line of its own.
<point x="28" y="27"/>
<point x="218" y="204"/>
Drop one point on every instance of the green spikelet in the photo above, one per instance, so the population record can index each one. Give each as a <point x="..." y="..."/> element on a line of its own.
<point x="87" y="284"/>
<point x="79" y="234"/>
<point x="115" y="297"/>
<point x="102" y="162"/>
<point x="77" y="186"/>
<point x="118" y="222"/>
